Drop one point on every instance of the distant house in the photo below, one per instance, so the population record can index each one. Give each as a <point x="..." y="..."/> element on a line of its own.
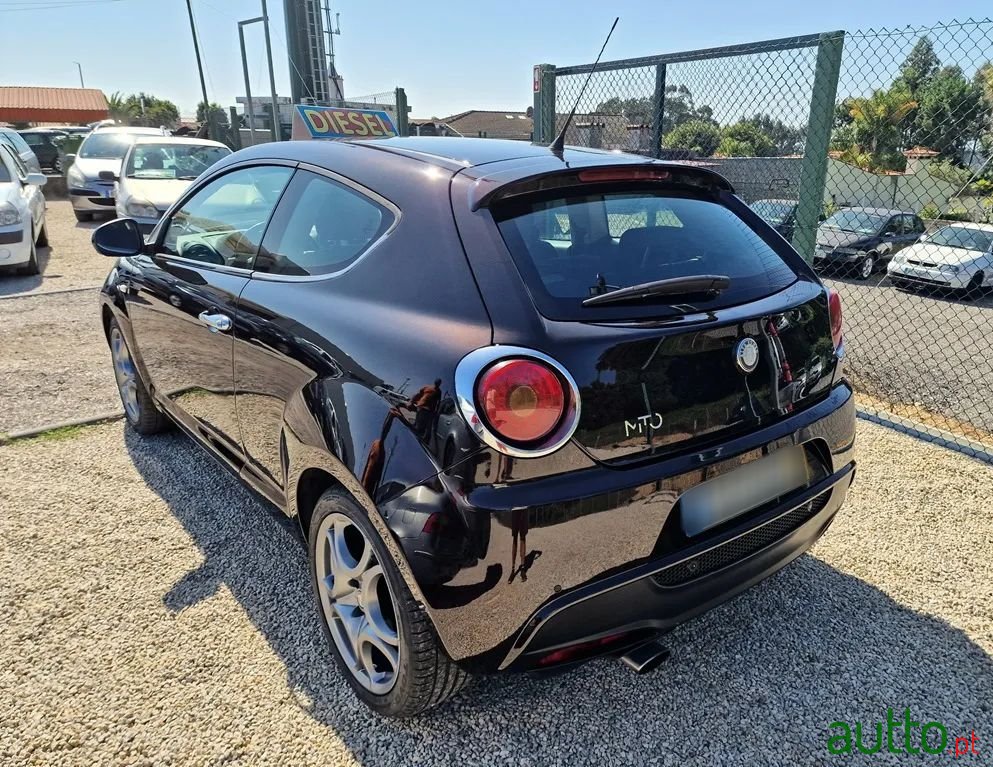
<point x="52" y="106"/>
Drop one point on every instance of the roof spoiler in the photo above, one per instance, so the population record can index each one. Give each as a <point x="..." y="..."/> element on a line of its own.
<point x="488" y="190"/>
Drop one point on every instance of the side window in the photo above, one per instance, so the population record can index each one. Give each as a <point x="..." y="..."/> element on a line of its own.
<point x="223" y="222"/>
<point x="893" y="226"/>
<point x="918" y="225"/>
<point x="321" y="226"/>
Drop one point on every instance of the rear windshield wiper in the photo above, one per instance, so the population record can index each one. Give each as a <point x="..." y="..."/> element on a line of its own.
<point x="709" y="285"/>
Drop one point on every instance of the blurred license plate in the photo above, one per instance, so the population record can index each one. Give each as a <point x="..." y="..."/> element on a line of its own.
<point x="743" y="489"/>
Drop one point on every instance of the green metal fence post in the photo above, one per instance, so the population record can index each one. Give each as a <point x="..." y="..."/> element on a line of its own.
<point x="543" y="113"/>
<point x="813" y="171"/>
<point x="403" y="126"/>
<point x="659" y="110"/>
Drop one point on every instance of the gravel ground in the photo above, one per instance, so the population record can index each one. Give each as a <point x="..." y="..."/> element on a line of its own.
<point x="55" y="364"/>
<point x="931" y="352"/>
<point x="69" y="262"/>
<point x="153" y="612"/>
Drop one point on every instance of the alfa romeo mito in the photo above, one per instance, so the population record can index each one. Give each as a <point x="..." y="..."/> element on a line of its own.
<point x="528" y="407"/>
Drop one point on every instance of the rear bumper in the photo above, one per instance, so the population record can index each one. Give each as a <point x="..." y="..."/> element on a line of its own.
<point x="662" y="594"/>
<point x="593" y="539"/>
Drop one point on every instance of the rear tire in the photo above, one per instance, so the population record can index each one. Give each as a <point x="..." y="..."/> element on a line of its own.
<point x="139" y="408"/>
<point x="82" y="216"/>
<point x="422" y="675"/>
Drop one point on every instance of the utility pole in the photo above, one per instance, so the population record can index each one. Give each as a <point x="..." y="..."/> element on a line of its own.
<point x="249" y="107"/>
<point x="80" y="68"/>
<point x="203" y="83"/>
<point x="272" y="77"/>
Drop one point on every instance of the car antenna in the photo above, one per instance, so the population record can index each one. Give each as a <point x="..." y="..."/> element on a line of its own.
<point x="558" y="145"/>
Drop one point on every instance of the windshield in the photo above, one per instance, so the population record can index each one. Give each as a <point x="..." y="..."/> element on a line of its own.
<point x="962" y="237"/>
<point x="106" y="145"/>
<point x="774" y="211"/>
<point x="856" y="221"/>
<point x="182" y="161"/>
<point x="569" y="249"/>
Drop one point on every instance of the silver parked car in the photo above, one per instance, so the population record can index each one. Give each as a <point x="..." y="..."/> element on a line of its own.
<point x="156" y="171"/>
<point x="93" y="174"/>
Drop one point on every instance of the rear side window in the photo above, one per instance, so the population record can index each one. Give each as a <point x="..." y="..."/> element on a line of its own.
<point x="320" y="227"/>
<point x="571" y="248"/>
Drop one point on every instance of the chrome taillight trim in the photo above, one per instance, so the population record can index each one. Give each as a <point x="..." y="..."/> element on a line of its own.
<point x="467" y="374"/>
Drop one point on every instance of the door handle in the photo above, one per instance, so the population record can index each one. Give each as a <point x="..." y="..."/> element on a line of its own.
<point x="218" y="323"/>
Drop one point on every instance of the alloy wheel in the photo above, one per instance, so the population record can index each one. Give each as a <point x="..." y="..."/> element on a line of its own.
<point x="357" y="604"/>
<point x="866" y="270"/>
<point x="125" y="373"/>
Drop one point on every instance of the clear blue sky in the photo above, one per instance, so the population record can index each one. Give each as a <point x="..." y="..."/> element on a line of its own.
<point x="448" y="56"/>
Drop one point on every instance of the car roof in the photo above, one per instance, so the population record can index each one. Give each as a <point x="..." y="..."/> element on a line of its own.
<point x="129" y="129"/>
<point x="969" y="225"/>
<point x="880" y="211"/>
<point x="178" y="140"/>
<point x="492" y="163"/>
<point x="42" y="130"/>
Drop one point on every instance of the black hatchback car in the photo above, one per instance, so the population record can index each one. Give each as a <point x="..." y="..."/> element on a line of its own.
<point x="528" y="407"/>
<point x="864" y="240"/>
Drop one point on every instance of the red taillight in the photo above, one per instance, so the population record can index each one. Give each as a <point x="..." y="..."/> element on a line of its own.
<point x="521" y="400"/>
<point x="624" y="174"/>
<point x="834" y="312"/>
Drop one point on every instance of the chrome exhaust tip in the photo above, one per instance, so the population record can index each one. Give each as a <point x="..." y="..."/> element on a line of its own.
<point x="645" y="657"/>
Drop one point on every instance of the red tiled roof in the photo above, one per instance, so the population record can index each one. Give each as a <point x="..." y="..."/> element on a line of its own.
<point x="25" y="104"/>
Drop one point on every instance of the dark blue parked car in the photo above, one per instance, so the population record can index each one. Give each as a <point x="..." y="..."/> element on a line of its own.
<point x="863" y="240"/>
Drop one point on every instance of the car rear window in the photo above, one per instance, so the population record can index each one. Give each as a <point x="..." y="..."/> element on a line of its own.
<point x="570" y="248"/>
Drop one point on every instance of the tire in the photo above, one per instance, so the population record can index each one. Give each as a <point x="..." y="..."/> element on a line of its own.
<point x="975" y="287"/>
<point x="866" y="267"/>
<point x="139" y="409"/>
<point x="31" y="267"/>
<point x="83" y="216"/>
<point x="42" y="240"/>
<point x="422" y="676"/>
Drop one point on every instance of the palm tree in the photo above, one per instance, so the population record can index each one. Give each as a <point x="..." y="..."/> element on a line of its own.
<point x="121" y="108"/>
<point x="877" y="124"/>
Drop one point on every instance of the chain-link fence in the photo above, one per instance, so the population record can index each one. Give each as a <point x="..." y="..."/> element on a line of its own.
<point x="871" y="152"/>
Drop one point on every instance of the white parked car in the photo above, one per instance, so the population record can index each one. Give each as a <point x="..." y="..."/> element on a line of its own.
<point x="157" y="170"/>
<point x="94" y="171"/>
<point x="22" y="214"/>
<point x="956" y="256"/>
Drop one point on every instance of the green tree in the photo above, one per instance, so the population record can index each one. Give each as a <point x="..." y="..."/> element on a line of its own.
<point x="951" y="113"/>
<point x="217" y="113"/>
<point x="700" y="136"/>
<point x="745" y="139"/>
<point x="152" y="111"/>
<point x="919" y="67"/>
<point x="120" y="108"/>
<point x="877" y="129"/>
<point x="786" y="139"/>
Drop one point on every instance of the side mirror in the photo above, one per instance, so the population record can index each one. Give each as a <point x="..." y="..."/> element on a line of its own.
<point x="119" y="238"/>
<point x="36" y="179"/>
<point x="107" y="175"/>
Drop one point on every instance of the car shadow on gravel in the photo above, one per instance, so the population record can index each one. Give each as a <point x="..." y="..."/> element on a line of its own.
<point x="758" y="680"/>
<point x="12" y="283"/>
